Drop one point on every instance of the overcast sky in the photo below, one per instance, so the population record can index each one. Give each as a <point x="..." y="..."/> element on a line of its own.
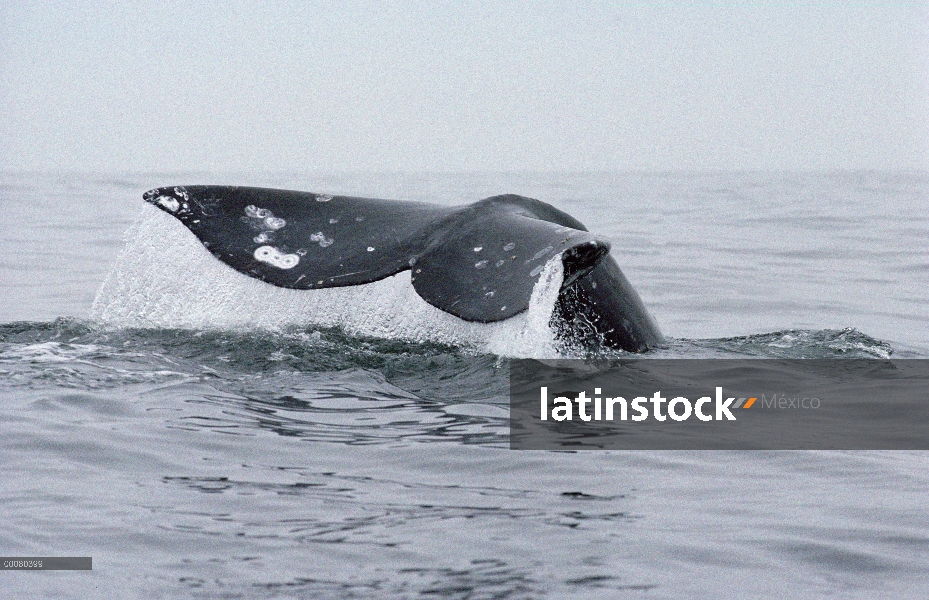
<point x="463" y="86"/>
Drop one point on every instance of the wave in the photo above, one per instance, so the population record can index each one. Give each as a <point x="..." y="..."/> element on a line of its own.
<point x="65" y="346"/>
<point x="794" y="343"/>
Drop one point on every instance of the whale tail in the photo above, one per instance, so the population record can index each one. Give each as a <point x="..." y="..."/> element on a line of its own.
<point x="478" y="262"/>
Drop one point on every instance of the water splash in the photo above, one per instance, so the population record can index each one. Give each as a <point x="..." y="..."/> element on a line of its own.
<point x="165" y="278"/>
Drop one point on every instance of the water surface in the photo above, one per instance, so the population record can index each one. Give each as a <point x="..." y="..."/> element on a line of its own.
<point x="305" y="462"/>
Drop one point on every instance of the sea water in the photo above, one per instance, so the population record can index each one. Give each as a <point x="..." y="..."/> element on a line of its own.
<point x="201" y="434"/>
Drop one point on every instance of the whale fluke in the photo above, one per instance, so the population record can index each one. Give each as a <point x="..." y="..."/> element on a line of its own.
<point x="478" y="262"/>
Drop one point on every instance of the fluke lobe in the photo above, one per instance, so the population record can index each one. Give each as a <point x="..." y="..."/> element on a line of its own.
<point x="478" y="262"/>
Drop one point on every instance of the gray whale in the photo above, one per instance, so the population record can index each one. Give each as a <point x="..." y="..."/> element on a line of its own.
<point x="478" y="262"/>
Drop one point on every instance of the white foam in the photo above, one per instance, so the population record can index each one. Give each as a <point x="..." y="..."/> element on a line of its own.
<point x="164" y="277"/>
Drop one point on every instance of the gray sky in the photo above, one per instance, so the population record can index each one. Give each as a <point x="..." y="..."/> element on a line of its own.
<point x="462" y="86"/>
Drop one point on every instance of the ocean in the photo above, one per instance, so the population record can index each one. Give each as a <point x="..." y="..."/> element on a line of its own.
<point x="201" y="434"/>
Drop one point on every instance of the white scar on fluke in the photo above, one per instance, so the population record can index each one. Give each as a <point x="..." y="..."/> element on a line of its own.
<point x="173" y="203"/>
<point x="170" y="203"/>
<point x="320" y="238"/>
<point x="264" y="219"/>
<point x="276" y="258"/>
